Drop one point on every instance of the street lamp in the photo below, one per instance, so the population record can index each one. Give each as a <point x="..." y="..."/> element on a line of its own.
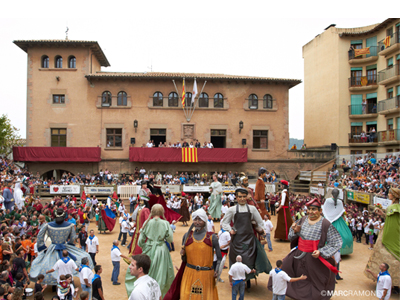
<point x="135" y="125"/>
<point x="240" y="126"/>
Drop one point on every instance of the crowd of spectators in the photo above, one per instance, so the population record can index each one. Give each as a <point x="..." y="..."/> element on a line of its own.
<point x="367" y="174"/>
<point x="178" y="144"/>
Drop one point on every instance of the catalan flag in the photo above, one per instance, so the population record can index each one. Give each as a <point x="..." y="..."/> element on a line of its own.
<point x="386" y="41"/>
<point x="359" y="52"/>
<point x="189" y="155"/>
<point x="183" y="93"/>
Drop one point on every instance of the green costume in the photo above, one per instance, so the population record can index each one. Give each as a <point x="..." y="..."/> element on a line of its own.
<point x="152" y="241"/>
<point x="215" y="200"/>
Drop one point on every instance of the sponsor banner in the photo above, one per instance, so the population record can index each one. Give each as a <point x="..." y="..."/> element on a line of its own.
<point x="329" y="192"/>
<point x="65" y="189"/>
<point x="173" y="189"/>
<point x="206" y="189"/>
<point x="384" y="202"/>
<point x="269" y="187"/>
<point x="358" y="197"/>
<point x="317" y="190"/>
<point x="100" y="190"/>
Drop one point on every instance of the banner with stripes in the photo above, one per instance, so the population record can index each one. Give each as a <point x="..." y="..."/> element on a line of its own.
<point x="189" y="155"/>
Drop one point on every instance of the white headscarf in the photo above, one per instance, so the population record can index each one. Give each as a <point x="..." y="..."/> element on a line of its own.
<point x="201" y="214"/>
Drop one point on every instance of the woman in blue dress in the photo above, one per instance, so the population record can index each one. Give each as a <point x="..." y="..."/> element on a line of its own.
<point x="62" y="235"/>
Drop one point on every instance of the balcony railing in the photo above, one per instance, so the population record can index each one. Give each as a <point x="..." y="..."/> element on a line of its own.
<point x="361" y="138"/>
<point x="389" y="72"/>
<point x="360" y="109"/>
<point x="394" y="38"/>
<point x="389" y="104"/>
<point x="359" y="81"/>
<point x="373" y="51"/>
<point x="391" y="135"/>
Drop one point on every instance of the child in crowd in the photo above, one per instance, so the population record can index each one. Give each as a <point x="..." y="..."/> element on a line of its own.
<point x="38" y="284"/>
<point x="268" y="228"/>
<point x="19" y="284"/>
<point x="84" y="296"/>
<point x="63" y="287"/>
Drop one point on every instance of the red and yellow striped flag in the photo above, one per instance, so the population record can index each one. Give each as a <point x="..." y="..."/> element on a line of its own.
<point x="183" y="93"/>
<point x="386" y="41"/>
<point x="189" y="155"/>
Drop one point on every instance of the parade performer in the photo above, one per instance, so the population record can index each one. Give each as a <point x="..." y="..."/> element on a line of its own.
<point x="244" y="241"/>
<point x="18" y="195"/>
<point x="195" y="279"/>
<point x="152" y="239"/>
<point x="315" y="240"/>
<point x="333" y="211"/>
<point x="259" y="194"/>
<point x="284" y="217"/>
<point x="62" y="235"/>
<point x="244" y="183"/>
<point x="139" y="216"/>
<point x="184" y="212"/>
<point x="215" y="199"/>
<point x="157" y="197"/>
<point x="106" y="219"/>
<point x="387" y="246"/>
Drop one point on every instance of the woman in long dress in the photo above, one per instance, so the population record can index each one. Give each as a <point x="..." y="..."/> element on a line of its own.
<point x="152" y="241"/>
<point x="184" y="212"/>
<point x="387" y="246"/>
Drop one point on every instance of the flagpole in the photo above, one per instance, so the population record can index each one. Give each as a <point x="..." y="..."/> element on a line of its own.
<point x="177" y="92"/>
<point x="194" y="104"/>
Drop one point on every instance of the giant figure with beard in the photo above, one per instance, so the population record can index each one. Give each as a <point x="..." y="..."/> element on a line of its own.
<point x="62" y="235"/>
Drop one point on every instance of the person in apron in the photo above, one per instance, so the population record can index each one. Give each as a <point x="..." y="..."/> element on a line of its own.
<point x="244" y="241"/>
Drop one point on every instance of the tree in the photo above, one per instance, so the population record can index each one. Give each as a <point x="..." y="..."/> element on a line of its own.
<point x="9" y="136"/>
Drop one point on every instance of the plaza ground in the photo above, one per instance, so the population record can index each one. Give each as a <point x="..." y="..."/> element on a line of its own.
<point x="354" y="286"/>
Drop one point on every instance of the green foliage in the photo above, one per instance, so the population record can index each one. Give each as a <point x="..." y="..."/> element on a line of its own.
<point x="9" y="136"/>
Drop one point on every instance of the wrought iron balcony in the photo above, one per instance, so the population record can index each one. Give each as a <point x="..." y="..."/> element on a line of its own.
<point x="389" y="136"/>
<point x="359" y="109"/>
<point x="389" y="104"/>
<point x="388" y="73"/>
<point x="360" y="81"/>
<point x="393" y="39"/>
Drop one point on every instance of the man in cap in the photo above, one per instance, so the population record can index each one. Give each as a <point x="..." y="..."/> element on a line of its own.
<point x="244" y="242"/>
<point x="284" y="217"/>
<point x="196" y="276"/>
<point x="259" y="194"/>
<point x="317" y="240"/>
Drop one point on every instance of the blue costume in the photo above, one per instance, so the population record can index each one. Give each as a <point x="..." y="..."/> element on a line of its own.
<point x="7" y="195"/>
<point x="62" y="237"/>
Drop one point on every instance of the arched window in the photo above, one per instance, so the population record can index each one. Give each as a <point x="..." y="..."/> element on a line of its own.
<point x="218" y="100"/>
<point x="122" y="99"/>
<point x="253" y="101"/>
<point x="158" y="99"/>
<point x="72" y="62"/>
<point x="203" y="100"/>
<point x="188" y="100"/>
<point x="106" y="98"/>
<point x="173" y="99"/>
<point x="268" y="101"/>
<point x="58" y="62"/>
<point x="45" y="62"/>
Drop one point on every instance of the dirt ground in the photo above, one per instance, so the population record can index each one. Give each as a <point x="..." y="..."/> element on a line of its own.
<point x="352" y="267"/>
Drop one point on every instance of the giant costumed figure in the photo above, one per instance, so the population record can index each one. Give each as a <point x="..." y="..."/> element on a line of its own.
<point x="244" y="241"/>
<point x="215" y="199"/>
<point x="314" y="240"/>
<point x="387" y="246"/>
<point x="259" y="194"/>
<point x="195" y="279"/>
<point x="284" y="217"/>
<point x="62" y="235"/>
<point x="333" y="211"/>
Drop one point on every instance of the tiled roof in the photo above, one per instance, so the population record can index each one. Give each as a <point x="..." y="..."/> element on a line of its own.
<point x="374" y="29"/>
<point x="206" y="76"/>
<point x="98" y="52"/>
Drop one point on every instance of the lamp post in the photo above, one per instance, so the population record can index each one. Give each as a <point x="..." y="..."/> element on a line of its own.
<point x="240" y="126"/>
<point x="135" y="125"/>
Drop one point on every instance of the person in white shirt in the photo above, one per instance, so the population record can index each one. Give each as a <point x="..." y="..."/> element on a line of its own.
<point x="224" y="207"/>
<point x="124" y="230"/>
<point x="132" y="202"/>
<point x="279" y="281"/>
<point x="92" y="246"/>
<point x="237" y="277"/>
<point x="116" y="259"/>
<point x="145" y="287"/>
<point x="268" y="228"/>
<point x="210" y="145"/>
<point x="64" y="266"/>
<point x="86" y="276"/>
<point x="210" y="224"/>
<point x="384" y="282"/>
